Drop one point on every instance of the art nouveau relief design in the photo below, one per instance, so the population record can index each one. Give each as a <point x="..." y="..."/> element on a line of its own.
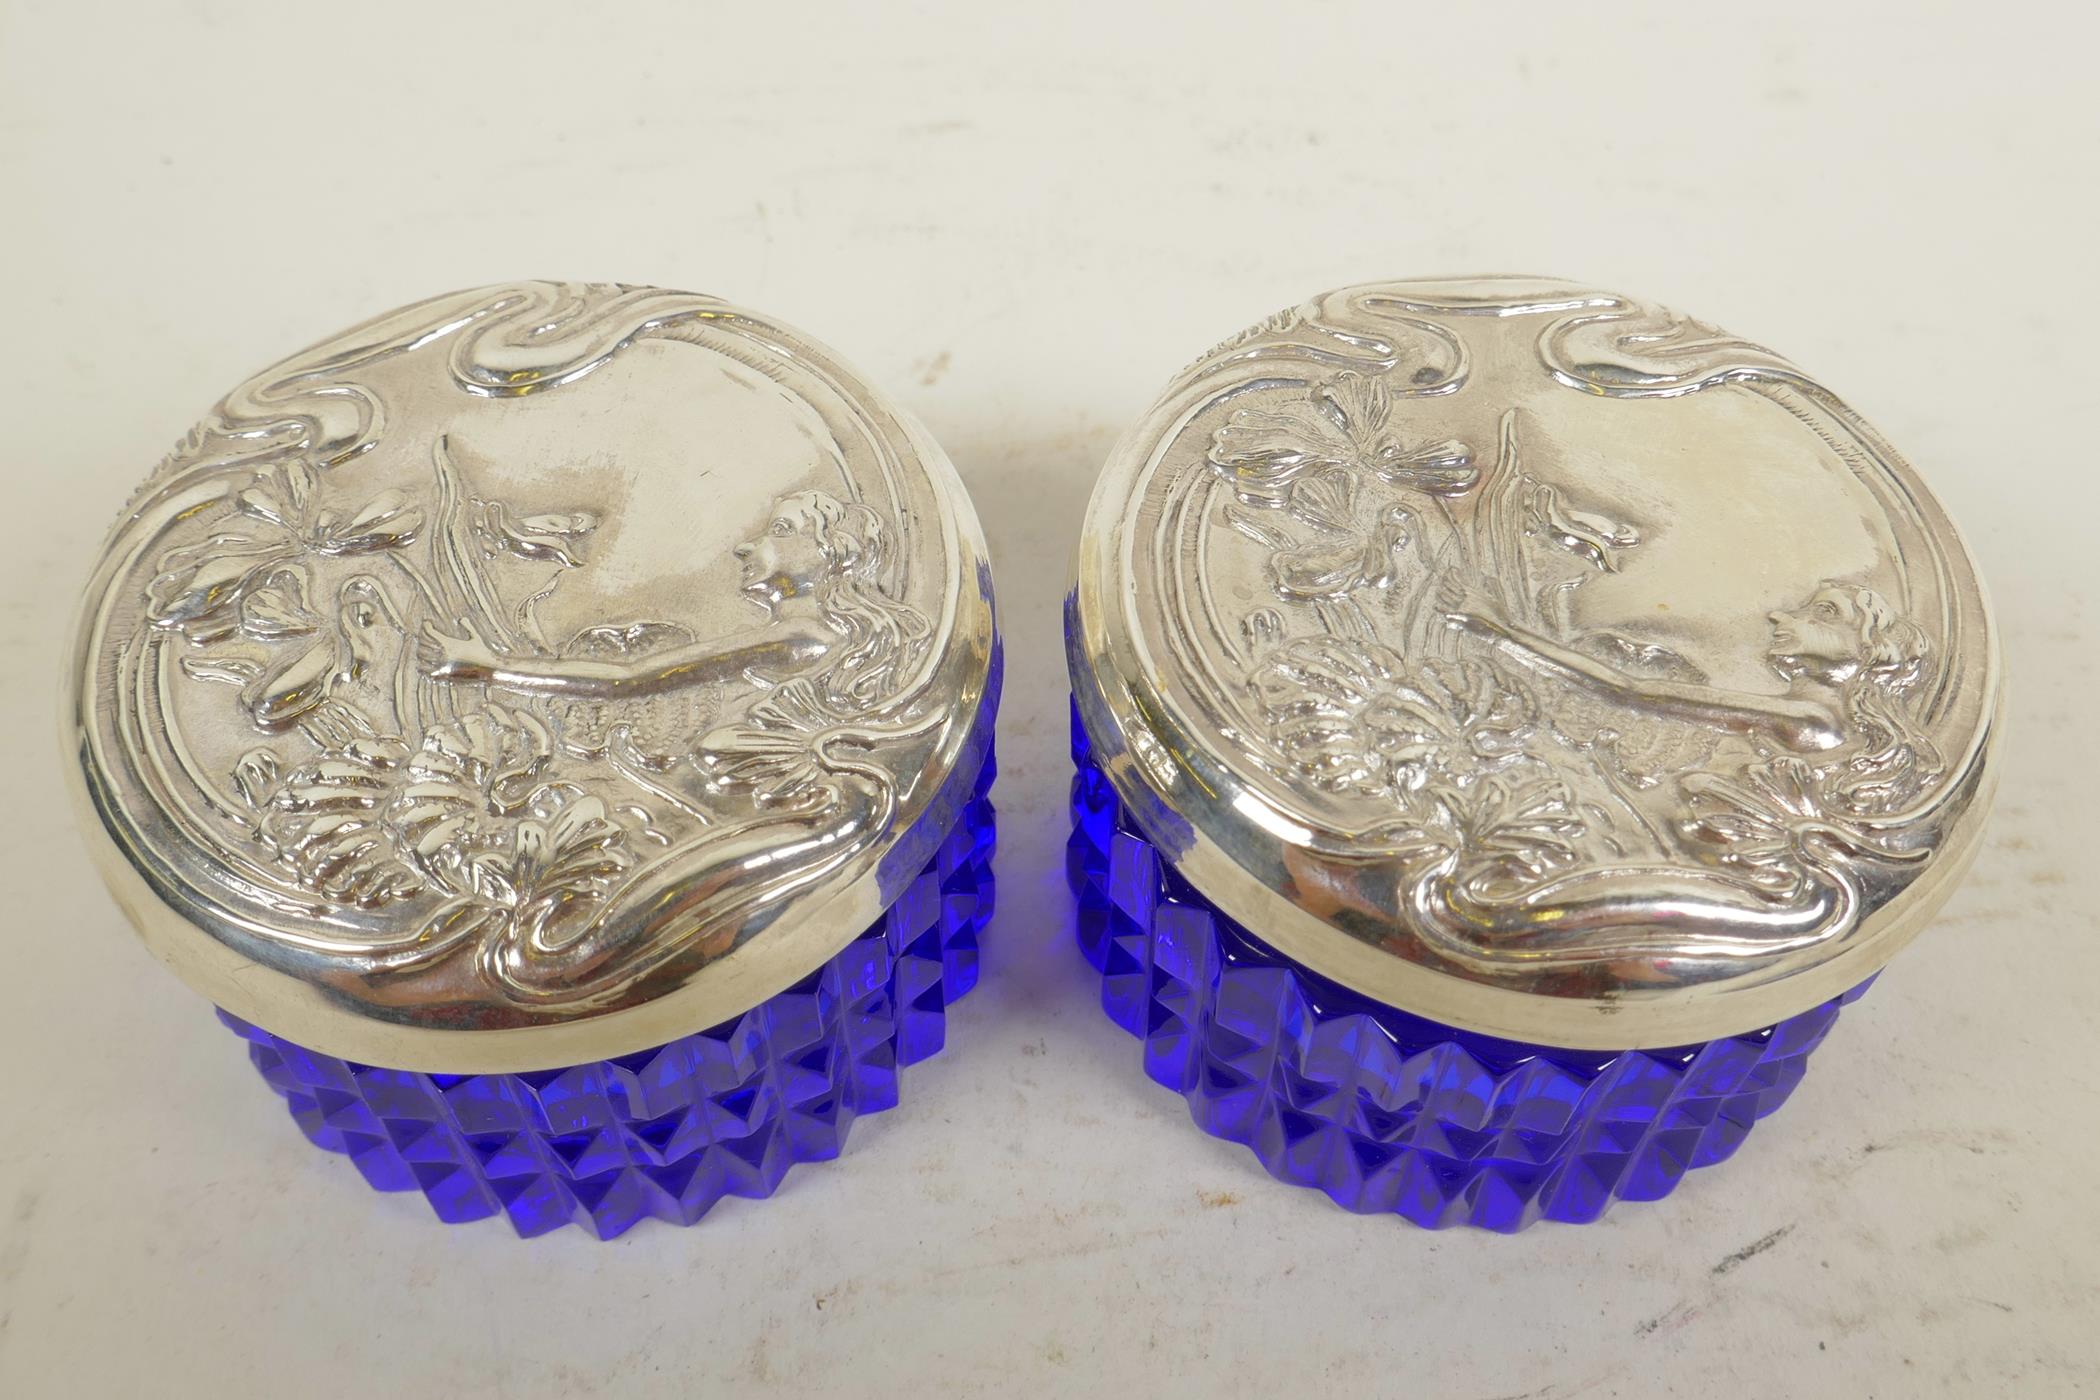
<point x="1481" y="589"/>
<point x="471" y="670"/>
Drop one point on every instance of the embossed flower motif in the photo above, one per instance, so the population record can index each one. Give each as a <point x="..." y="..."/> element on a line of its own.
<point x="470" y="814"/>
<point x="287" y="499"/>
<point x="325" y="820"/>
<point x="1352" y="715"/>
<point x="204" y="589"/>
<point x="557" y="861"/>
<point x="1345" y="421"/>
<point x="478" y="816"/>
<point x="200" y="587"/>
<point x="485" y="764"/>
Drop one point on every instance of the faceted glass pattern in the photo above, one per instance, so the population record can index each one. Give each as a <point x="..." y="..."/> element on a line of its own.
<point x="1383" y="1110"/>
<point x="670" y="1131"/>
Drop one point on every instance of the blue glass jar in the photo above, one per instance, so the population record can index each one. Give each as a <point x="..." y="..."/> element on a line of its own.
<point x="553" y="723"/>
<point x="665" y="1133"/>
<point x="1510" y="720"/>
<point x="1383" y="1110"/>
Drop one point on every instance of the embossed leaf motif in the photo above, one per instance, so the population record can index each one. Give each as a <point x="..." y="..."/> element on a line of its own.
<point x="1513" y="827"/>
<point x="773" y="753"/>
<point x="1752" y="825"/>
<point x="1262" y="450"/>
<point x="537" y="876"/>
<point x="1325" y="499"/>
<point x="282" y="498"/>
<point x="278" y="608"/>
<point x="1507" y="828"/>
<point x="226" y="670"/>
<point x="1344" y="421"/>
<point x="513" y="850"/>
<point x="1491" y="716"/>
<point x="1316" y="693"/>
<point x="553" y="538"/>
<point x="568" y="850"/>
<point x="387" y="521"/>
<point x="464" y="814"/>
<point x="199" y="587"/>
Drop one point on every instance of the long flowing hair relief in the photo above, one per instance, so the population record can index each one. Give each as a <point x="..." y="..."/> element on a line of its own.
<point x="1416" y="652"/>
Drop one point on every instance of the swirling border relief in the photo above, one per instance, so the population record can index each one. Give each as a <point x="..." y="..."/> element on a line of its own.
<point x="1602" y="344"/>
<point x="508" y="342"/>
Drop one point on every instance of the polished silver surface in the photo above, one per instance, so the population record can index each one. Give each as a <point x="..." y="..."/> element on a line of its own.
<point x="1539" y="660"/>
<point x="530" y="675"/>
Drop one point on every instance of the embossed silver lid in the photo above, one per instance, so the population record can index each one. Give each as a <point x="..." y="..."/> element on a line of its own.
<point x="1538" y="660"/>
<point x="531" y="675"/>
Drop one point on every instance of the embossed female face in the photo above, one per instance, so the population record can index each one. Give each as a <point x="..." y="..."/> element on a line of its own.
<point x="782" y="562"/>
<point x="1820" y="638"/>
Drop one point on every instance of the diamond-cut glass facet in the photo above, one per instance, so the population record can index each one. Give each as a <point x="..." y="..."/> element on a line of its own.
<point x="1383" y="1110"/>
<point x="670" y="1131"/>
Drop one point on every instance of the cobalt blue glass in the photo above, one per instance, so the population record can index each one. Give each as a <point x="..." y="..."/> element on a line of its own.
<point x="1383" y="1110"/>
<point x="668" y="1132"/>
<point x="1485" y="806"/>
<point x="573" y="674"/>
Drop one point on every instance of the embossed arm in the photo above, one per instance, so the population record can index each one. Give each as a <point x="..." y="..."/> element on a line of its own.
<point x="1801" y="725"/>
<point x="468" y="659"/>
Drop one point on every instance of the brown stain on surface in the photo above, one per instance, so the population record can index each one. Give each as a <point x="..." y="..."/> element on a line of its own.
<point x="840" y="1293"/>
<point x="1673" y="1319"/>
<point x="1751" y="1250"/>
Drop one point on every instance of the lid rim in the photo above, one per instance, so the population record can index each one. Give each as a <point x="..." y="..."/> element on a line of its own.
<point x="1208" y="793"/>
<point x="466" y="854"/>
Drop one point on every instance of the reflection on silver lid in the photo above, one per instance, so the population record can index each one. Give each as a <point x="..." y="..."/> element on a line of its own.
<point x="534" y="674"/>
<point x="1538" y="660"/>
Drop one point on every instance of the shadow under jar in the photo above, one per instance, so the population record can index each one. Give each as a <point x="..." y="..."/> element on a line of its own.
<point x="553" y="723"/>
<point x="1511" y="720"/>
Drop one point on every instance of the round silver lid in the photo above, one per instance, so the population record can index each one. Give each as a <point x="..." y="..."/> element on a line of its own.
<point x="530" y="675"/>
<point x="1539" y="660"/>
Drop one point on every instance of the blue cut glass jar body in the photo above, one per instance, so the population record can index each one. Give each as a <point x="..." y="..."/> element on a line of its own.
<point x="1385" y="1111"/>
<point x="667" y="1132"/>
<point x="575" y="674"/>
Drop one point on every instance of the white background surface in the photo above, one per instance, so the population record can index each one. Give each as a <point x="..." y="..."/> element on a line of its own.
<point x="1023" y="222"/>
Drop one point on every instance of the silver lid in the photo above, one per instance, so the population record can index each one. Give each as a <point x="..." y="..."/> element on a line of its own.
<point x="534" y="674"/>
<point x="1539" y="660"/>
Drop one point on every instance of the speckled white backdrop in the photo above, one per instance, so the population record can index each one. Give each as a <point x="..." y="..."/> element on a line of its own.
<point x="1023" y="220"/>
